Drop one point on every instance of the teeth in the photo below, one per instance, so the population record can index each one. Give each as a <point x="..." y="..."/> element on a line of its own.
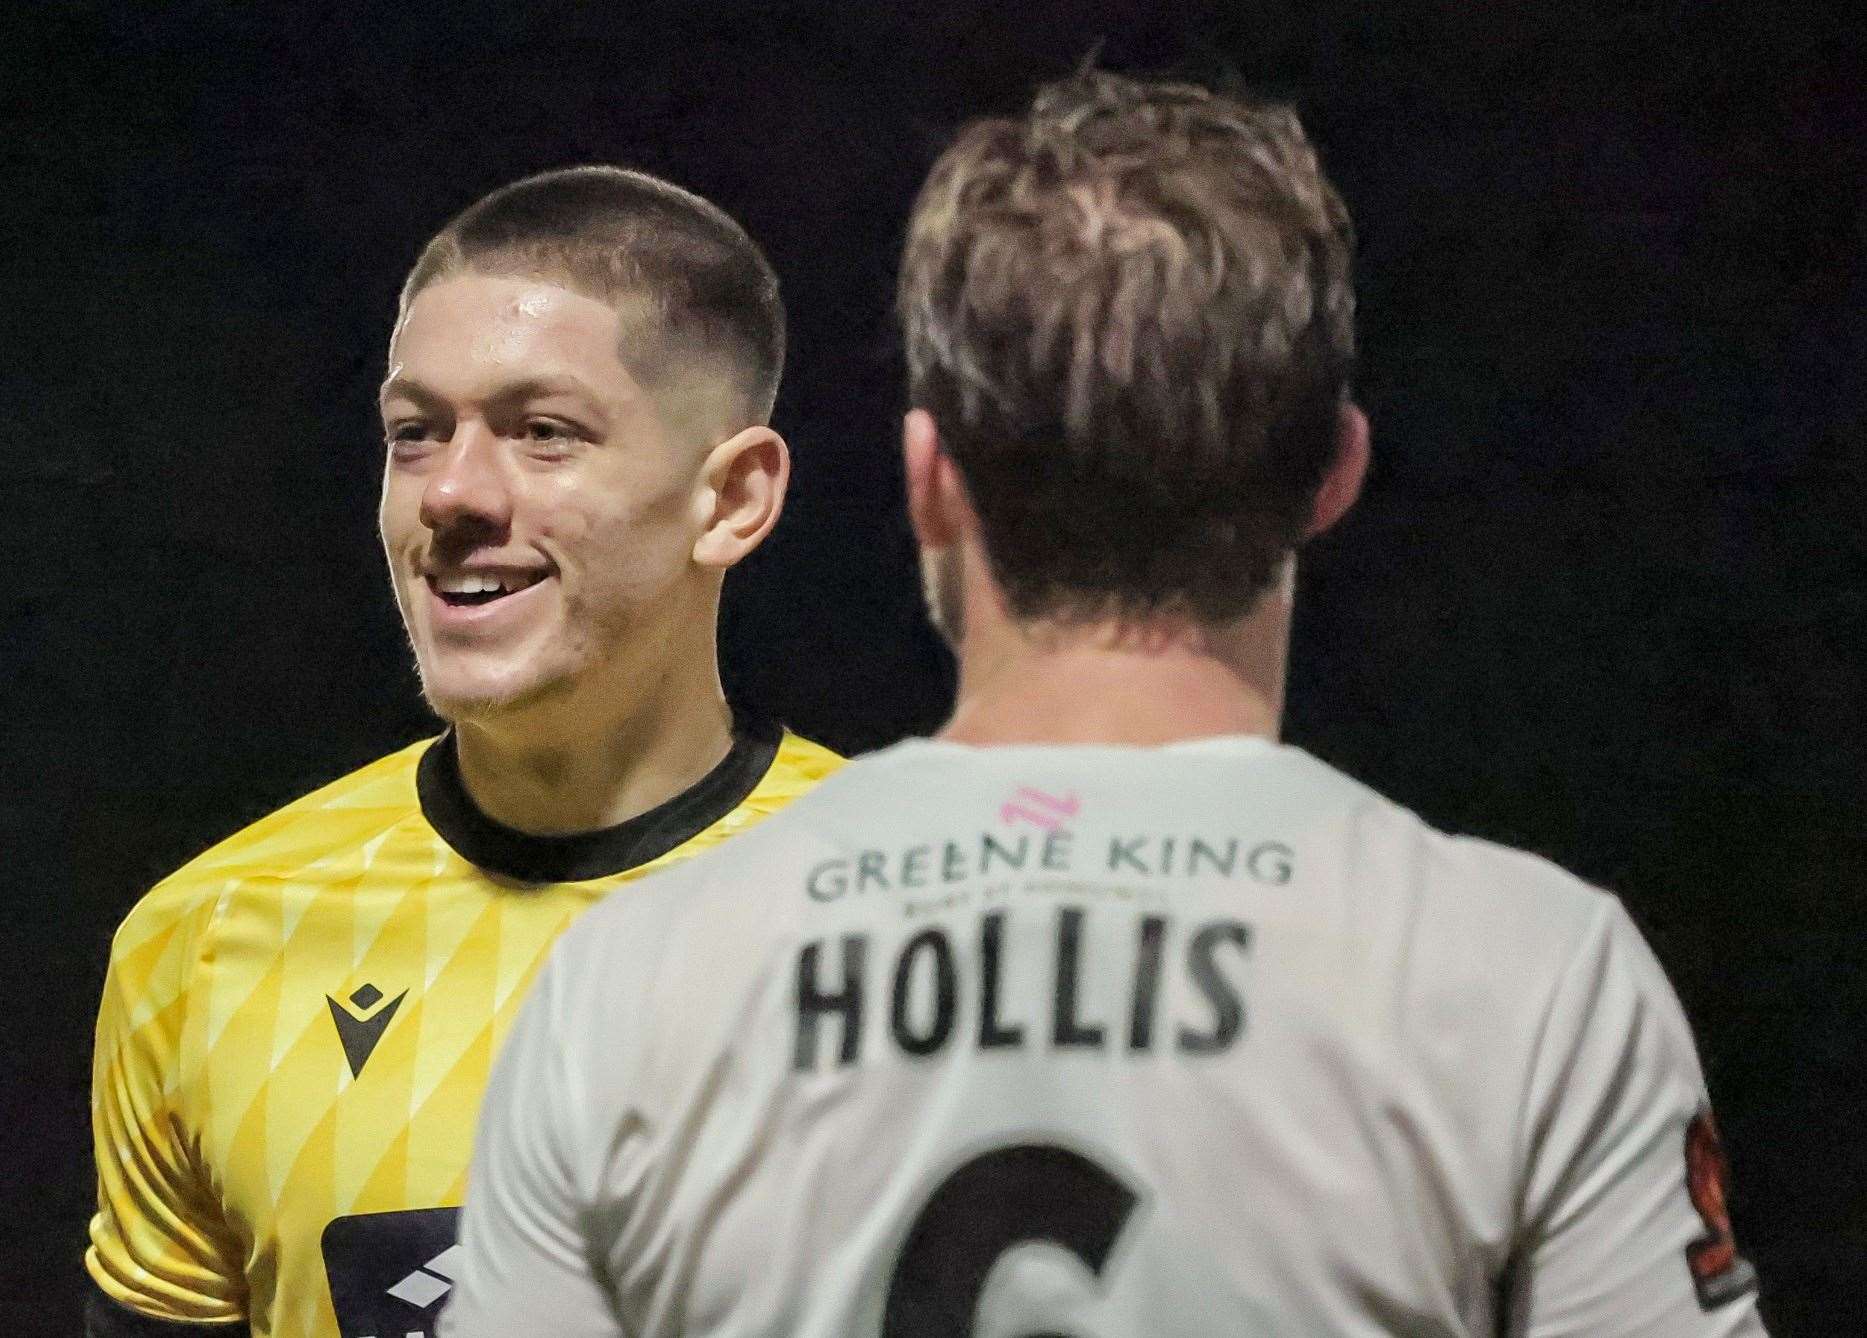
<point x="475" y="583"/>
<point x="467" y="584"/>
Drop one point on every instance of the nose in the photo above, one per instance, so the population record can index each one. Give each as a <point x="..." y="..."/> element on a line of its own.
<point x="469" y="492"/>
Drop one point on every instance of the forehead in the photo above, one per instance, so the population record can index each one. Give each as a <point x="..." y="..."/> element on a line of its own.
<point x="470" y="331"/>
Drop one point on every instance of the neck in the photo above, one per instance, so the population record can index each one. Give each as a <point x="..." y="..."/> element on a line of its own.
<point x="600" y="752"/>
<point x="1139" y="685"/>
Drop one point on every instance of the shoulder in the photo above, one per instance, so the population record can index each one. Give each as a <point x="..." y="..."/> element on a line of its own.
<point x="1518" y="918"/>
<point x="336" y="818"/>
<point x="346" y="813"/>
<point x="703" y="897"/>
<point x="1473" y="937"/>
<point x="1512" y="929"/>
<point x="703" y="873"/>
<point x="1442" y="876"/>
<point x="796" y="768"/>
<point x="1484" y="879"/>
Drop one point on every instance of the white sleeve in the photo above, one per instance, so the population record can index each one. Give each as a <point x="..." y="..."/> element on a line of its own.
<point x="525" y="1267"/>
<point x="1625" y="1230"/>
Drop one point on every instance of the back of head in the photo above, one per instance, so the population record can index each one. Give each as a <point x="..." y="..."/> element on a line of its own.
<point x="1130" y="315"/>
<point x="692" y="288"/>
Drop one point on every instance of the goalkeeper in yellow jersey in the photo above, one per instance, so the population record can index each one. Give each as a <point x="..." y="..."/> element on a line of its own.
<point x="297" y="1026"/>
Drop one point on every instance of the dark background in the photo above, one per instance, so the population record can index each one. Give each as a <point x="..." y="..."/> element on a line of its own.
<point x="1604" y="597"/>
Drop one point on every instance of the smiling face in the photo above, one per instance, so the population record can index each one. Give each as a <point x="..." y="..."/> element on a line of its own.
<point x="537" y="512"/>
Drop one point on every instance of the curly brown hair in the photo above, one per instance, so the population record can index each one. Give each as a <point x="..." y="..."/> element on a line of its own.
<point x="1130" y="314"/>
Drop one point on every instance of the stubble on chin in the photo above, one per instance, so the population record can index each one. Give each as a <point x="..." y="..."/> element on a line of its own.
<point x="455" y="707"/>
<point x="457" y="702"/>
<point x="560" y="673"/>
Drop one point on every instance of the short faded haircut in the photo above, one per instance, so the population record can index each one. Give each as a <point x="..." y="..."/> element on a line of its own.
<point x="1130" y="314"/>
<point x="647" y="248"/>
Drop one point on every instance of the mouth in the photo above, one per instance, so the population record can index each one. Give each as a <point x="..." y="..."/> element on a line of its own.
<point x="473" y="590"/>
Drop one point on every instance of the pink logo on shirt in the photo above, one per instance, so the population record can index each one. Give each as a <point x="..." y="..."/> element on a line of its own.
<point x="1038" y="808"/>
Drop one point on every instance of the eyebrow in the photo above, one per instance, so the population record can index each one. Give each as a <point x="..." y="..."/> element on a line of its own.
<point x="513" y="392"/>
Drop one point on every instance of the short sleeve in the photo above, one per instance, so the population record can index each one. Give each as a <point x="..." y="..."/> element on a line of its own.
<point x="1626" y="1231"/>
<point x="525" y="1266"/>
<point x="160" y="1247"/>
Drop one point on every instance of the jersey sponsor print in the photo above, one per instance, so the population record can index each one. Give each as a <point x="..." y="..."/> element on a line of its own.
<point x="390" y="1272"/>
<point x="1098" y="1041"/>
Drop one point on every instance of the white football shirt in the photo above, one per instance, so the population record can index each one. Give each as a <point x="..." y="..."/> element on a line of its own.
<point x="1100" y="1042"/>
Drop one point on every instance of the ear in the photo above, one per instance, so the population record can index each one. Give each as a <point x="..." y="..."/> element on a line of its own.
<point x="742" y="487"/>
<point x="937" y="503"/>
<point x="1341" y="485"/>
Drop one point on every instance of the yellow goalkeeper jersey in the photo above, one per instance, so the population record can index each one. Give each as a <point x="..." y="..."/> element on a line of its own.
<point x="297" y="1026"/>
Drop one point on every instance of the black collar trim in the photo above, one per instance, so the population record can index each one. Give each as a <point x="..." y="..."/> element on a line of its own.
<point x="501" y="850"/>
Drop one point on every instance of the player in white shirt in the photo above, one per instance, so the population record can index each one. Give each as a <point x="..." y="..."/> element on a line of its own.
<point x="1105" y="1014"/>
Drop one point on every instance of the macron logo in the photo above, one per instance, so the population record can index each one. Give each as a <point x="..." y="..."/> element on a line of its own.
<point x="359" y="1030"/>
